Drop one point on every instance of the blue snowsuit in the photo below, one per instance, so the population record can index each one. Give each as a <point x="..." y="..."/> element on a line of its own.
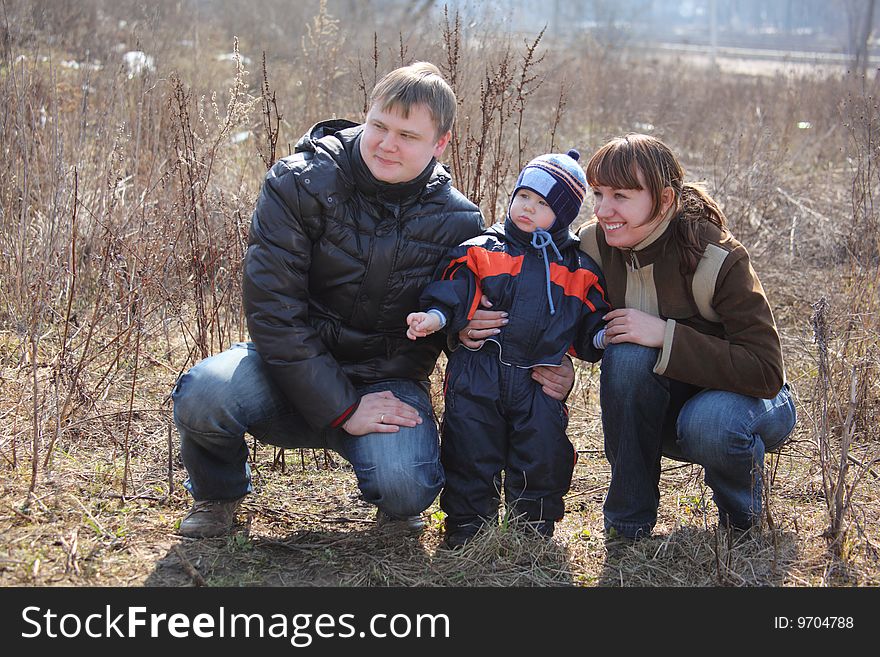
<point x="497" y="417"/>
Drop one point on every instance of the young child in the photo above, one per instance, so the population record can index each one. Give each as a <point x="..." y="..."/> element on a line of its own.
<point x="497" y="418"/>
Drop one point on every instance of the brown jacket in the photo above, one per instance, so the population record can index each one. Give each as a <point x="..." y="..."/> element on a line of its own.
<point x="720" y="331"/>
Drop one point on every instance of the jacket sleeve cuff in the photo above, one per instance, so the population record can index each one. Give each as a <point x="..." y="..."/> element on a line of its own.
<point x="347" y="413"/>
<point x="599" y="339"/>
<point x="440" y="316"/>
<point x="666" y="351"/>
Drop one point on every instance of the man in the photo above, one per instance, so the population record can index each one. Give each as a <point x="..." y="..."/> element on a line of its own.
<point x="345" y="234"/>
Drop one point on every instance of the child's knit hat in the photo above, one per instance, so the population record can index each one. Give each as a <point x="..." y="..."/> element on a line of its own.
<point x="560" y="180"/>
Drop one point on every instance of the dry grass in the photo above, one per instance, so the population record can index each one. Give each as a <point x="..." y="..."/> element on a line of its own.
<point x="123" y="215"/>
<point x="306" y="526"/>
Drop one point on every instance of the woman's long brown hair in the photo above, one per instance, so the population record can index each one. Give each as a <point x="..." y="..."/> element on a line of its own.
<point x="617" y="165"/>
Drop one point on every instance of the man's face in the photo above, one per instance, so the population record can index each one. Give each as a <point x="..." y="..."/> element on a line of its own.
<point x="397" y="149"/>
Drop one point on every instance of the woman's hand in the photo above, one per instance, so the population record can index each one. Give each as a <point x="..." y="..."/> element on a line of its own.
<point x="631" y="325"/>
<point x="484" y="324"/>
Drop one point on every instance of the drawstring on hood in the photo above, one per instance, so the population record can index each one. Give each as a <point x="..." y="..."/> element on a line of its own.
<point x="540" y="240"/>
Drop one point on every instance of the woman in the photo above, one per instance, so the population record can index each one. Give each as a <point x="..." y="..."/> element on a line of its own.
<point x="693" y="364"/>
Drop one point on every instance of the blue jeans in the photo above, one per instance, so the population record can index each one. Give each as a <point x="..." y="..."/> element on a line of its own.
<point x="224" y="396"/>
<point x="645" y="415"/>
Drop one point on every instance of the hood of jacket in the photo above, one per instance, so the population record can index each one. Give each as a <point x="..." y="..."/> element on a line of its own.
<point x="562" y="237"/>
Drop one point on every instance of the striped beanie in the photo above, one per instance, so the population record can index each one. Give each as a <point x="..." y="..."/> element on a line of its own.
<point x="560" y="180"/>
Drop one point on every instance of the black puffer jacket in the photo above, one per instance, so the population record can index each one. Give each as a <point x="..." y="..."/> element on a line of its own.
<point x="335" y="262"/>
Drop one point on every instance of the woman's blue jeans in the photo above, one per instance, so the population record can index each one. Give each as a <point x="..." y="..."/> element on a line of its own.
<point x="645" y="415"/>
<point x="230" y="394"/>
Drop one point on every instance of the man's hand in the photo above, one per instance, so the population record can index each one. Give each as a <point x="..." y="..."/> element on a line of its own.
<point x="556" y="382"/>
<point x="381" y="412"/>
<point x="631" y="325"/>
<point x="484" y="324"/>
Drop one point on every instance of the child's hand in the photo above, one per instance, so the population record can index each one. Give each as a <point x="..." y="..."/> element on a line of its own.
<point x="421" y="325"/>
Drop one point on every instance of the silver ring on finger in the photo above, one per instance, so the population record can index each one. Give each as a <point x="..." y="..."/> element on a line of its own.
<point x="382" y="419"/>
<point x="470" y="334"/>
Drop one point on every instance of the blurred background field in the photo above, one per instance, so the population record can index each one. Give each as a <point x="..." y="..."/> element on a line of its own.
<point x="135" y="136"/>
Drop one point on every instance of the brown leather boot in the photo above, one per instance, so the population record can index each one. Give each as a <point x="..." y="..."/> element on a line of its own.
<point x="209" y="518"/>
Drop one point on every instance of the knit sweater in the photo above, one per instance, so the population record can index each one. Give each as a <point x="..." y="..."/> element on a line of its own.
<point x="731" y="345"/>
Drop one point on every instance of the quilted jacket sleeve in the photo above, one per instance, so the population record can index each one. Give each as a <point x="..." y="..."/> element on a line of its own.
<point x="275" y="291"/>
<point x="747" y="359"/>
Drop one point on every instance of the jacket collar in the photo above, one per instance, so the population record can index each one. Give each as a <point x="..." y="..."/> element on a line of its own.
<point x="334" y="143"/>
<point x="655" y="235"/>
<point x="368" y="185"/>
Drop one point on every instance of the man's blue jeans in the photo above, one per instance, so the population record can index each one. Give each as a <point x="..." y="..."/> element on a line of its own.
<point x="224" y="396"/>
<point x="645" y="415"/>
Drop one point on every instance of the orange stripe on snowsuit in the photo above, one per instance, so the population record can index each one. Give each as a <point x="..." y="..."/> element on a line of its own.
<point x="575" y="283"/>
<point x="493" y="263"/>
<point x="452" y="267"/>
<point x="483" y="264"/>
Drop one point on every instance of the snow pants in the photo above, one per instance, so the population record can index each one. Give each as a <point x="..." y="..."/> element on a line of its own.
<point x="498" y="420"/>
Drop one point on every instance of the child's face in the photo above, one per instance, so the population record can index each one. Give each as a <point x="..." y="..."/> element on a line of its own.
<point x="625" y="215"/>
<point x="529" y="211"/>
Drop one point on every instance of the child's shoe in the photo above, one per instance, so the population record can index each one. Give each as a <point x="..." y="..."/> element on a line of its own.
<point x="457" y="536"/>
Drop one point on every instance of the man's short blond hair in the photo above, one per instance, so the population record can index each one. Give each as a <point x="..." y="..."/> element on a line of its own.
<point x="419" y="83"/>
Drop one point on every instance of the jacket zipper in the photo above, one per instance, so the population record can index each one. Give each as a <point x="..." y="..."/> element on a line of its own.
<point x="633" y="260"/>
<point x="634" y="263"/>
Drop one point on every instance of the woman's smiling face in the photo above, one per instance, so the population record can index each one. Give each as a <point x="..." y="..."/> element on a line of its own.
<point x="625" y="214"/>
